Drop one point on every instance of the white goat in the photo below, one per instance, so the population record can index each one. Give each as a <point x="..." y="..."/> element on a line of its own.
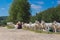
<point x="58" y="27"/>
<point x="30" y="26"/>
<point x="25" y="25"/>
<point x="48" y="26"/>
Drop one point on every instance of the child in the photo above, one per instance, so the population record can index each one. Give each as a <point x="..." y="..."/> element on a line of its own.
<point x="19" y="25"/>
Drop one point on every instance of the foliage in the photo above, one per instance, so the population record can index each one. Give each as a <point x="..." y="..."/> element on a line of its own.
<point x="33" y="19"/>
<point x="3" y="23"/>
<point x="50" y="15"/>
<point x="3" y="20"/>
<point x="19" y="11"/>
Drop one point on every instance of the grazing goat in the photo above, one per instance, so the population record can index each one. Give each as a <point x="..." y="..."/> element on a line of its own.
<point x="55" y="26"/>
<point x="48" y="26"/>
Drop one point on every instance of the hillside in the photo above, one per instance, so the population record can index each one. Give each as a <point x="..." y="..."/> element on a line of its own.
<point x="3" y="17"/>
<point x="50" y="15"/>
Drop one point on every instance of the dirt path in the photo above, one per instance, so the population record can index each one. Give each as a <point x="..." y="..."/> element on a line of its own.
<point x="15" y="34"/>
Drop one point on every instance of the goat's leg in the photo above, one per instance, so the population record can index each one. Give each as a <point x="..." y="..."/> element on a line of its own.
<point x="55" y="30"/>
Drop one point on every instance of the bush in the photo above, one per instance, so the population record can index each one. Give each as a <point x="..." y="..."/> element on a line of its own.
<point x="3" y="23"/>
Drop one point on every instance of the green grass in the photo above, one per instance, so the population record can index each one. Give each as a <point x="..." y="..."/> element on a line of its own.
<point x="10" y="27"/>
<point x="40" y="31"/>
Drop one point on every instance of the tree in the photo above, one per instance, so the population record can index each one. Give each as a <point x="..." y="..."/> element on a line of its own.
<point x="20" y="11"/>
<point x="33" y="19"/>
<point x="50" y="15"/>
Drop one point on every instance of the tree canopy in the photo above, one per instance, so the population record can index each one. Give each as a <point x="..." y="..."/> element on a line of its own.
<point x="50" y="15"/>
<point x="19" y="11"/>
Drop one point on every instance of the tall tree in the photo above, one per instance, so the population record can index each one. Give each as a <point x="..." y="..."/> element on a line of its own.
<point x="20" y="10"/>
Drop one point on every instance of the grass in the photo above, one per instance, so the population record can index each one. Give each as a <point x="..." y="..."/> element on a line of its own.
<point x="10" y="27"/>
<point x="40" y="31"/>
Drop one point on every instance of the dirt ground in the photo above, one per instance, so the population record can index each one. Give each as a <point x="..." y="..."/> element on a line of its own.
<point x="20" y="34"/>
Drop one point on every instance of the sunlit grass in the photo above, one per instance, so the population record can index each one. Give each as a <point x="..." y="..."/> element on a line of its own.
<point x="40" y="31"/>
<point x="10" y="27"/>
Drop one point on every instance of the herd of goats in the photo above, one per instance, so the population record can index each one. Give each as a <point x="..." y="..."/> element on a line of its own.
<point x="55" y="26"/>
